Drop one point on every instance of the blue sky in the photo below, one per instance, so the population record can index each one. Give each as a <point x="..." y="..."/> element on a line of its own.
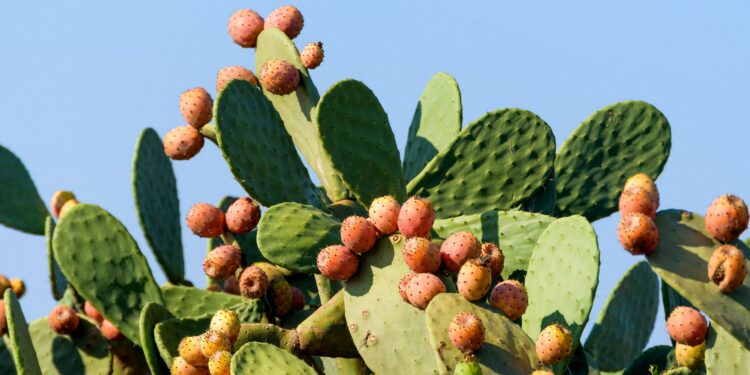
<point x="81" y="80"/>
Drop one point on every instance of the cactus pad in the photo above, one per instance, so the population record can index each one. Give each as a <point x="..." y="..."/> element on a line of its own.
<point x="613" y="144"/>
<point x="57" y="280"/>
<point x="153" y="314"/>
<point x="169" y="333"/>
<point x="625" y="324"/>
<point x="21" y="346"/>
<point x="190" y="302"/>
<point x="325" y="333"/>
<point x="724" y="354"/>
<point x="21" y="207"/>
<point x="350" y="119"/>
<point x="671" y="299"/>
<point x="116" y="279"/>
<point x="681" y="260"/>
<point x="495" y="163"/>
<point x="6" y="359"/>
<point x="262" y="358"/>
<point x="155" y="192"/>
<point x="86" y="351"/>
<point x="258" y="150"/>
<point x="660" y="356"/>
<point x="436" y="122"/>
<point x="291" y="235"/>
<point x="506" y="348"/>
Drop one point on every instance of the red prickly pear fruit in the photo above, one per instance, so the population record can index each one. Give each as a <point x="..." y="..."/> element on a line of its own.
<point x="312" y="55"/>
<point x="403" y="283"/>
<point x="466" y="332"/>
<point x="421" y="255"/>
<point x="231" y="285"/>
<point x="358" y="234"/>
<point x="474" y="280"/>
<point x="244" y="26"/>
<point x="280" y="295"/>
<point x="554" y="344"/>
<point x="253" y="282"/>
<point x="206" y="220"/>
<point x="231" y="73"/>
<point x="510" y="297"/>
<point x="298" y="299"/>
<point x="92" y="312"/>
<point x="336" y="262"/>
<point x="63" y="319"/>
<point x="226" y="322"/>
<point x="190" y="350"/>
<point x="243" y="215"/>
<point x="727" y="218"/>
<point x="18" y="287"/>
<point x="222" y="262"/>
<point x="220" y="363"/>
<point x="643" y="181"/>
<point x="58" y="200"/>
<point x="495" y="258"/>
<point x="422" y="288"/>
<point x="687" y="326"/>
<point x="690" y="356"/>
<point x="383" y="214"/>
<point x="196" y="106"/>
<point x="3" y="320"/>
<point x="416" y="217"/>
<point x="287" y="19"/>
<point x="637" y="233"/>
<point x="637" y="200"/>
<point x="181" y="367"/>
<point x="279" y="77"/>
<point x="182" y="143"/>
<point x="212" y="342"/>
<point x="109" y="331"/>
<point x="726" y="268"/>
<point x="459" y="248"/>
<point x="67" y="206"/>
<point x="4" y="284"/>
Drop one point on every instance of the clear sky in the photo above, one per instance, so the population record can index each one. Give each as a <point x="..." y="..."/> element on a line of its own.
<point x="80" y="80"/>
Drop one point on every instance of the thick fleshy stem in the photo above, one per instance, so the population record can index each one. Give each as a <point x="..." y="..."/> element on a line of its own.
<point x="324" y="288"/>
<point x="209" y="131"/>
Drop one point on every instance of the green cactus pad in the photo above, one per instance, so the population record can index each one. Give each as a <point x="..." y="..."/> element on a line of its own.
<point x="660" y="356"/>
<point x="262" y="358"/>
<point x="681" y="260"/>
<point x="567" y="250"/>
<point x="609" y="147"/>
<point x="296" y="109"/>
<point x="190" y="302"/>
<point x="57" y="280"/>
<point x="127" y="358"/>
<point x="544" y="201"/>
<point x="21" y="346"/>
<point x="626" y="321"/>
<point x="495" y="163"/>
<point x="350" y="120"/>
<point x="169" y="333"/>
<point x="724" y="354"/>
<point x="116" y="278"/>
<point x="345" y="208"/>
<point x="325" y="333"/>
<point x="86" y="351"/>
<point x="671" y="299"/>
<point x="436" y="122"/>
<point x="291" y="235"/>
<point x="389" y="333"/>
<point x="155" y="192"/>
<point x="21" y="207"/>
<point x="258" y="150"/>
<point x="6" y="359"/>
<point x="151" y="315"/>
<point x="506" y="348"/>
<point x="515" y="232"/>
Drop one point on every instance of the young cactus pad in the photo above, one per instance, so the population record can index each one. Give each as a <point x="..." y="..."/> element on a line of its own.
<point x="21" y="207"/>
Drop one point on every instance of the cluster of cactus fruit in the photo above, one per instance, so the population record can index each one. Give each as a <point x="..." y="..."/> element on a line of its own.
<point x="388" y="265"/>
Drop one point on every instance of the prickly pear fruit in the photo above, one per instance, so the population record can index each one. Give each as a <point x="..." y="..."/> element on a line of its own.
<point x="312" y="55"/>
<point x="474" y="280"/>
<point x="231" y="73"/>
<point x="244" y="26"/>
<point x="416" y="217"/>
<point x="298" y="299"/>
<point x="687" y="326"/>
<point x="336" y="262"/>
<point x="459" y="248"/>
<point x="511" y="298"/>
<point x="222" y="262"/>
<point x="279" y="77"/>
<point x="109" y="331"/>
<point x="92" y="312"/>
<point x="182" y="143"/>
<point x="287" y="19"/>
<point x="467" y="368"/>
<point x="466" y="332"/>
<point x="727" y="218"/>
<point x="220" y="363"/>
<point x="3" y="320"/>
<point x="19" y="288"/>
<point x="495" y="258"/>
<point x="181" y="367"/>
<point x="58" y="199"/>
<point x="67" y="206"/>
<point x="637" y="200"/>
<point x="243" y="215"/>
<point x="280" y="295"/>
<point x="637" y="233"/>
<point x="421" y="255"/>
<point x="190" y="351"/>
<point x="402" y="284"/>
<point x="554" y="344"/>
<point x="253" y="282"/>
<point x="205" y="220"/>
<point x="63" y="319"/>
<point x="542" y="372"/>
<point x="358" y="234"/>
<point x="726" y="268"/>
<point x="422" y="288"/>
<point x="271" y="270"/>
<point x="643" y="181"/>
<point x="690" y="356"/>
<point x="212" y="342"/>
<point x="226" y="322"/>
<point x="196" y="106"/>
<point x="4" y="284"/>
<point x="383" y="214"/>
